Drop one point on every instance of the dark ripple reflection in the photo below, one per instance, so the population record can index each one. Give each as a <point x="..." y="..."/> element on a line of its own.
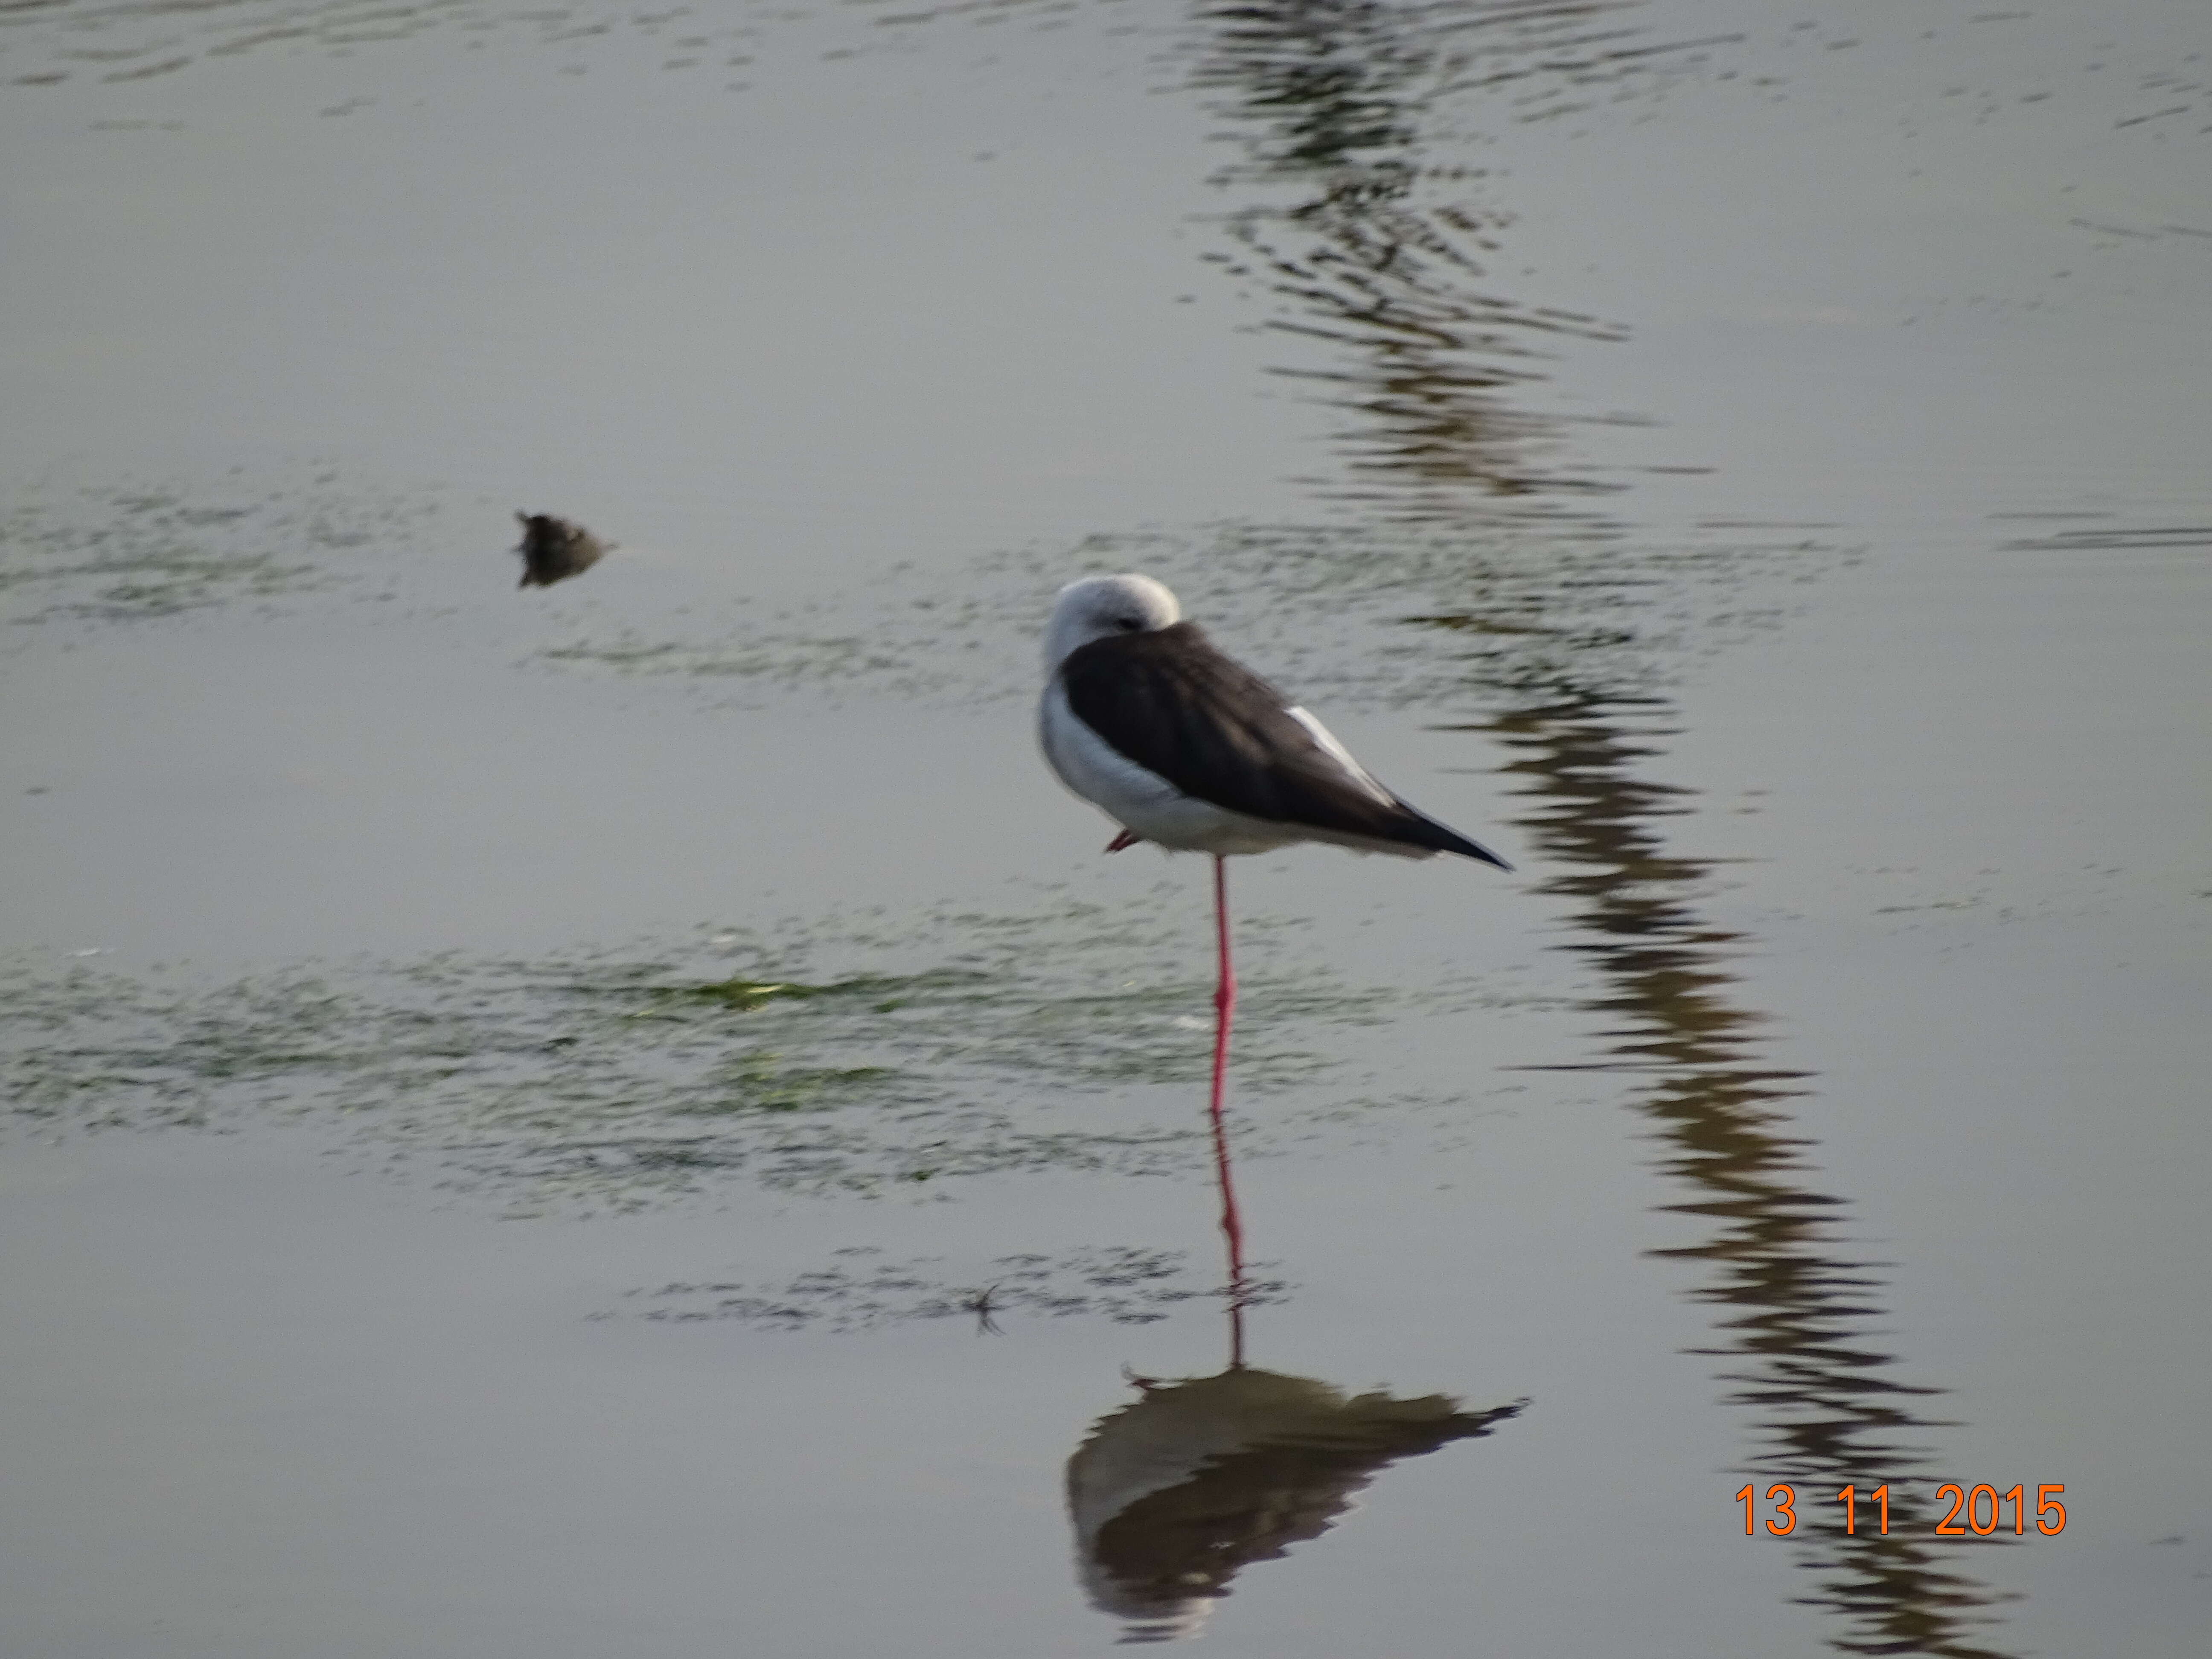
<point x="1799" y="1311"/>
<point x="1368" y="236"/>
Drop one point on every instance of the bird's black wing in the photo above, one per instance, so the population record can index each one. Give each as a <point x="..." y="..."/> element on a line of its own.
<point x="1186" y="712"/>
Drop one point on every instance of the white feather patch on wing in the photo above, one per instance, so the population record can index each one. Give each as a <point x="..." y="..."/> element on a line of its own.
<point x="1336" y="752"/>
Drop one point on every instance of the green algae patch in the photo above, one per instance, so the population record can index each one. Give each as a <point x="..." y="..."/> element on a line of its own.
<point x="939" y="1048"/>
<point x="888" y="991"/>
<point x="740" y="993"/>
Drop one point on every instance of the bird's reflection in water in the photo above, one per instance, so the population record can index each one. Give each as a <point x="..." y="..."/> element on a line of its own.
<point x="1175" y="1493"/>
<point x="1178" y="1491"/>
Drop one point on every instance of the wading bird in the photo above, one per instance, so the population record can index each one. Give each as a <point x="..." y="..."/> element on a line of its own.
<point x="1185" y="747"/>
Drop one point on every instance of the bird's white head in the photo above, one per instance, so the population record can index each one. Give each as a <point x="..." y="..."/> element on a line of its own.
<point x="1098" y="607"/>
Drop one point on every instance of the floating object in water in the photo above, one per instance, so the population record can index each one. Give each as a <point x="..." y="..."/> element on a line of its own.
<point x="1185" y="747"/>
<point x="553" y="550"/>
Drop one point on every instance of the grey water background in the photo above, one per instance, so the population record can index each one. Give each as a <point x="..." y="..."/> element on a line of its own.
<point x="636" y="1117"/>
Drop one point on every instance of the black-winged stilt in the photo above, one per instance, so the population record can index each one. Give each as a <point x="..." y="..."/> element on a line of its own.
<point x="1184" y="746"/>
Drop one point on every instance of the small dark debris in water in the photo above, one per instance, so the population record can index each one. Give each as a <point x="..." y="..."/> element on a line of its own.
<point x="553" y="550"/>
<point x="980" y="1305"/>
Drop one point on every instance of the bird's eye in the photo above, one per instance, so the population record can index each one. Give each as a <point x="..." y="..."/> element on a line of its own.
<point x="1127" y="624"/>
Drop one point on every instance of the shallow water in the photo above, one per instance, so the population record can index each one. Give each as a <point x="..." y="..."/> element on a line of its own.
<point x="633" y="1117"/>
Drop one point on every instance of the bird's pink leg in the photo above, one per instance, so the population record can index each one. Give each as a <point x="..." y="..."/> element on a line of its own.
<point x="1224" y="991"/>
<point x="1224" y="1008"/>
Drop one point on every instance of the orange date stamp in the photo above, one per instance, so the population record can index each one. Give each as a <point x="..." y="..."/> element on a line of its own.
<point x="1981" y="1508"/>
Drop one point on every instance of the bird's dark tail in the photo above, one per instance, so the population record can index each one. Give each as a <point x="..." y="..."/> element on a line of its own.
<point x="1419" y="829"/>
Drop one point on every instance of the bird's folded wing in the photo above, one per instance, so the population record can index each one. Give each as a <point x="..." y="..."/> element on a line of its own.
<point x="1185" y="712"/>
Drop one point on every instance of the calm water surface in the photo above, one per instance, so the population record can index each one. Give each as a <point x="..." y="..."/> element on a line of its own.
<point x="634" y="1117"/>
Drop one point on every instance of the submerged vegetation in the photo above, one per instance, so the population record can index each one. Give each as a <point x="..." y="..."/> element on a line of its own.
<point x="134" y="551"/>
<point x="1360" y="616"/>
<point x="862" y="1290"/>
<point x="621" y="1079"/>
